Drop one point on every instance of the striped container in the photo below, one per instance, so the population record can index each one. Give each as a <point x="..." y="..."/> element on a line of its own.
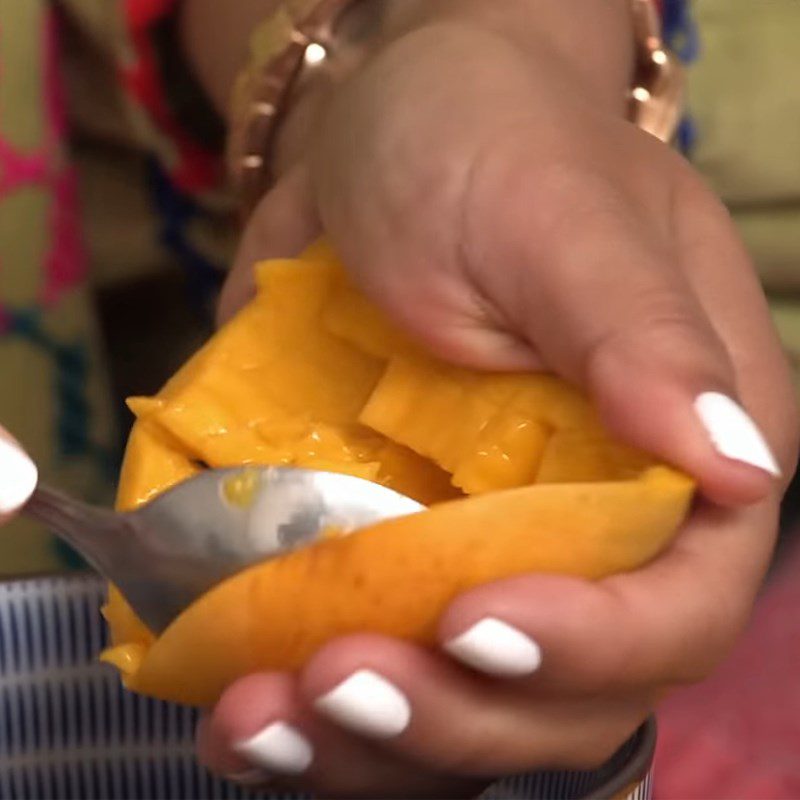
<point x="69" y="732"/>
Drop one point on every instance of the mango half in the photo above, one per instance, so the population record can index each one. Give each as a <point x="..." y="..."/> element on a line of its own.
<point x="519" y="474"/>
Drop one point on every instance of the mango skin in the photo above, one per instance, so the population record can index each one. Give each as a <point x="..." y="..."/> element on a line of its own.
<point x="549" y="490"/>
<point x="398" y="577"/>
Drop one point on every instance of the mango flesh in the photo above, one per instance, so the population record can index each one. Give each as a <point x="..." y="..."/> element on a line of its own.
<point x="519" y="474"/>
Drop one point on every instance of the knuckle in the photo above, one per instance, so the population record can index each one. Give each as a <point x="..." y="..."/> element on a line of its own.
<point x="579" y="198"/>
<point x="669" y="329"/>
<point x="337" y="787"/>
<point x="595" y="753"/>
<point x="598" y="744"/>
<point x="504" y="741"/>
<point x="579" y="736"/>
<point x="564" y="192"/>
<point x="573" y="180"/>
<point x="665" y="324"/>
<point x="702" y="633"/>
<point x="713" y="639"/>
<point x="476" y="754"/>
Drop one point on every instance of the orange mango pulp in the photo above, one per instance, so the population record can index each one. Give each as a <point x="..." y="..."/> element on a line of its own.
<point x="520" y="475"/>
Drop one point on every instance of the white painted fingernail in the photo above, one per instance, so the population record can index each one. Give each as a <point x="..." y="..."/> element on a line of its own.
<point x="280" y="747"/>
<point x="249" y="777"/>
<point x="734" y="433"/>
<point x="18" y="477"/>
<point x="368" y="704"/>
<point x="496" y="648"/>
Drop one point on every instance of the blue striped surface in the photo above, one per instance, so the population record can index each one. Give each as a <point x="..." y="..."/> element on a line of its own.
<point x="68" y="731"/>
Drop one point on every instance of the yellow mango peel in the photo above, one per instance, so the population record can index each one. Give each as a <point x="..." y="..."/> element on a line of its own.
<point x="516" y="468"/>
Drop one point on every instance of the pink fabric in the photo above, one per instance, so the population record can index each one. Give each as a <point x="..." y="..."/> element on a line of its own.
<point x="738" y="734"/>
<point x="66" y="262"/>
<point x="46" y="167"/>
<point x="193" y="169"/>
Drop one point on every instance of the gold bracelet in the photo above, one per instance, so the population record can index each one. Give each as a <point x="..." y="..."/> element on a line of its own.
<point x="656" y="97"/>
<point x="302" y="35"/>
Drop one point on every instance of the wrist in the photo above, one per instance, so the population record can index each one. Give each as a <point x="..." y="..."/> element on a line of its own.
<point x="592" y="52"/>
<point x="591" y="57"/>
<point x="596" y="46"/>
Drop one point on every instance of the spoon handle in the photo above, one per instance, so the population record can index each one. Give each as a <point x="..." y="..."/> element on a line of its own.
<point x="86" y="528"/>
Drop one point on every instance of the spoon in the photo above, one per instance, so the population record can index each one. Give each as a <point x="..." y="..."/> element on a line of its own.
<point x="169" y="552"/>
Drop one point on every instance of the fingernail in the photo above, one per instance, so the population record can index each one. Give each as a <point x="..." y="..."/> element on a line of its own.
<point x="18" y="477"/>
<point x="496" y="648"/>
<point x="368" y="704"/>
<point x="280" y="747"/>
<point x="249" y="777"/>
<point x="734" y="433"/>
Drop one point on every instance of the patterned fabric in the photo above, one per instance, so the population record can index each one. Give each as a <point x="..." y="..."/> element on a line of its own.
<point x="191" y="168"/>
<point x="130" y="195"/>
<point x="68" y="731"/>
<point x="50" y="363"/>
<point x="134" y="197"/>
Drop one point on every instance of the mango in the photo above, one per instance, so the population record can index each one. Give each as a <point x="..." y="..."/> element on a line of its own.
<point x="516" y="469"/>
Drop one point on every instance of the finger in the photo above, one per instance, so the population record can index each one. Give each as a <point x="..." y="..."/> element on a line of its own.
<point x="281" y="226"/>
<point x="740" y="314"/>
<point x="668" y="623"/>
<point x="262" y="733"/>
<point x="213" y="749"/>
<point x="599" y="291"/>
<point x="18" y="476"/>
<point x="417" y="705"/>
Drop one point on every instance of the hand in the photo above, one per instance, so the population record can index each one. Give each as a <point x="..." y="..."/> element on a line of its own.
<point x="18" y="477"/>
<point x="509" y="219"/>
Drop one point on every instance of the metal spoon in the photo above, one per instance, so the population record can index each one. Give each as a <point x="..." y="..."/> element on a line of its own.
<point x="166" y="554"/>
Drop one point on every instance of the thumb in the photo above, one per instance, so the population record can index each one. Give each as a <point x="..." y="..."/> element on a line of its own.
<point x="666" y="385"/>
<point x="18" y="476"/>
<point x="605" y="306"/>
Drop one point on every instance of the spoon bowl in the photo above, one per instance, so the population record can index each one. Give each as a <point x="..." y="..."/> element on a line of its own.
<point x="172" y="550"/>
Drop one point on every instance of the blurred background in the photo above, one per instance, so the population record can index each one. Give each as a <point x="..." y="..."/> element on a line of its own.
<point x="114" y="232"/>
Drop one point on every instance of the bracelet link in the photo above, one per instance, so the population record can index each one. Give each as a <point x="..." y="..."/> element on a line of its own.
<point x="657" y="95"/>
<point x="304" y="35"/>
<point x="278" y="52"/>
